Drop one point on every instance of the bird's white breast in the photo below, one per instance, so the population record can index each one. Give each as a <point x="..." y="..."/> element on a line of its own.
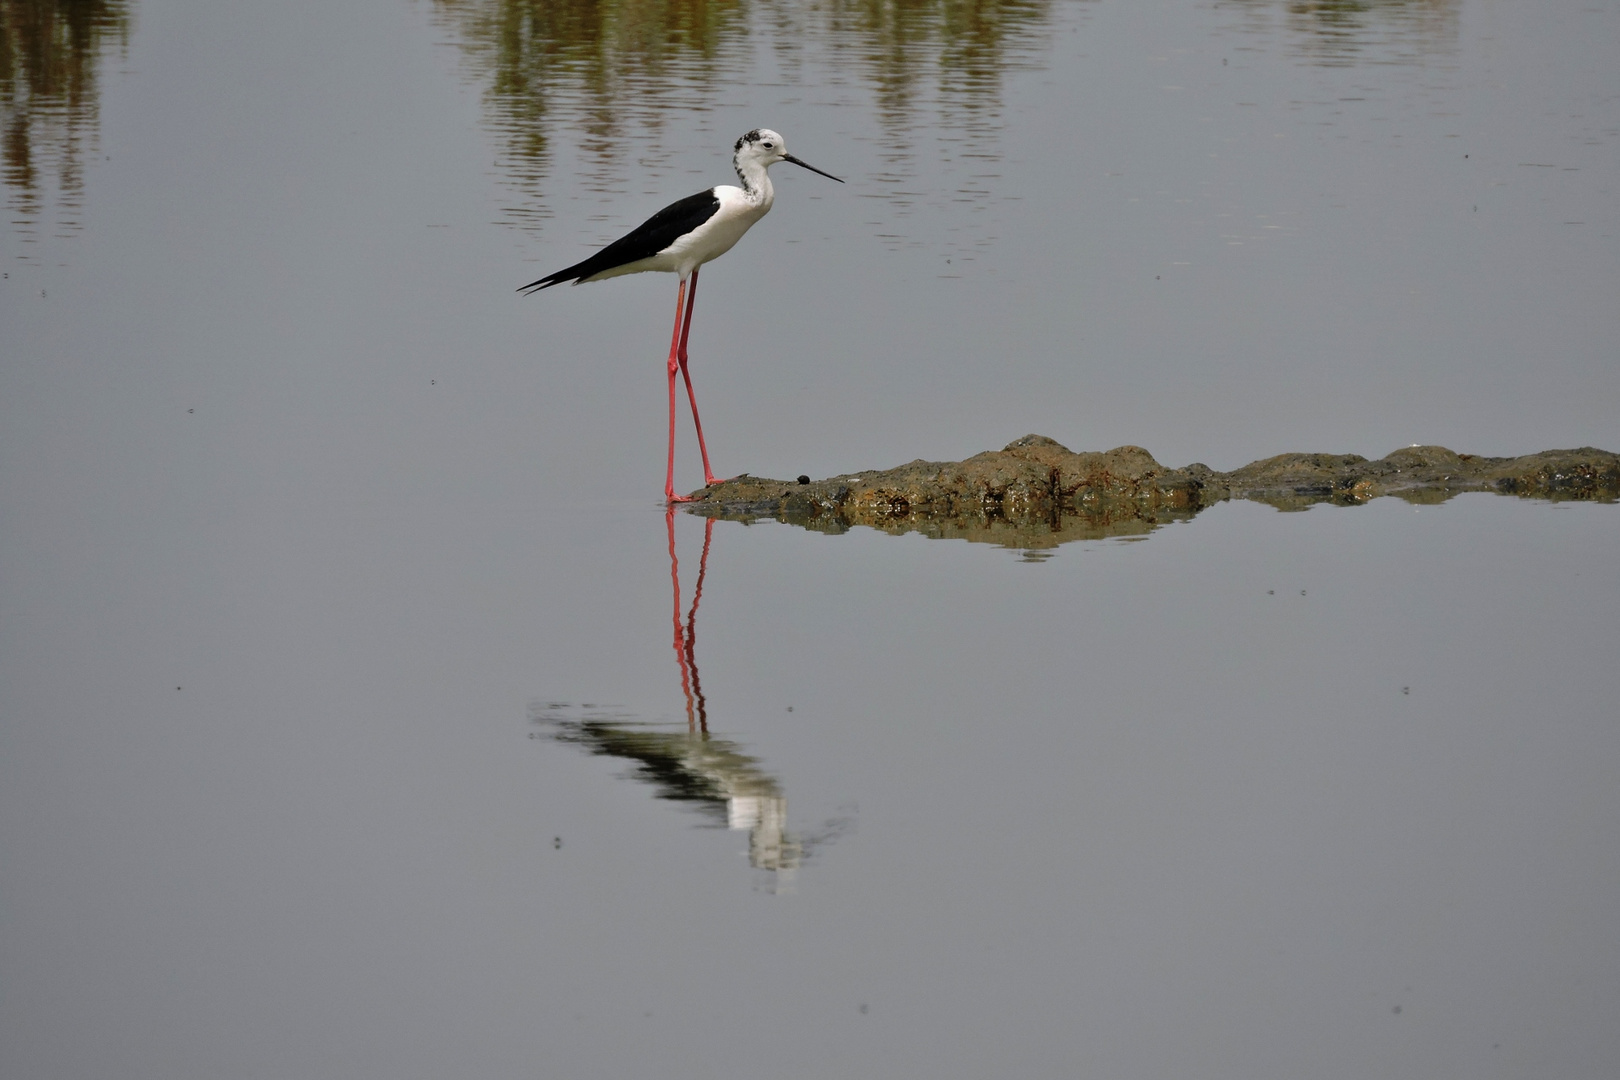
<point x="738" y="212"/>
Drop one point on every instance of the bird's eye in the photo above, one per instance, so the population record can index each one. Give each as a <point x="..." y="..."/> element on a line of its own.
<point x="768" y="146"/>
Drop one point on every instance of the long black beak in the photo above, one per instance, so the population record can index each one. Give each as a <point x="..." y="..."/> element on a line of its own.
<point x="812" y="168"/>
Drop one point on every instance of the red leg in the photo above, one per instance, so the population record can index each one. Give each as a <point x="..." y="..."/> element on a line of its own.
<point x="686" y="331"/>
<point x="676" y="343"/>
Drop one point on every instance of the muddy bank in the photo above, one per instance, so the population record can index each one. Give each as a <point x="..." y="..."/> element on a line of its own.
<point x="1036" y="493"/>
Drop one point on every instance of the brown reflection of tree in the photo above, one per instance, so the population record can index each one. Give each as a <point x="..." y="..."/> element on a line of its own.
<point x="907" y="49"/>
<point x="595" y="68"/>
<point x="1344" y="33"/>
<point x="49" y="106"/>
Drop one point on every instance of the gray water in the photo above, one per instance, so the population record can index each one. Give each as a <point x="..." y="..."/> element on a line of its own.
<point x="355" y="720"/>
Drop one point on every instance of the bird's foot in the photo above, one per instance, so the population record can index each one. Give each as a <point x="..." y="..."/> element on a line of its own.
<point x="708" y="482"/>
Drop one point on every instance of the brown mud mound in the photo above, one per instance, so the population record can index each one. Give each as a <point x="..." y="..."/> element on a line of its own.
<point x="1036" y="493"/>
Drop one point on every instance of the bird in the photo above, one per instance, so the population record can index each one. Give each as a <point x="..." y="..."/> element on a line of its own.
<point x="679" y="239"/>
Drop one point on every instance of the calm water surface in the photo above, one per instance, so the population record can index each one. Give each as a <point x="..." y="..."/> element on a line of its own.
<point x="362" y="713"/>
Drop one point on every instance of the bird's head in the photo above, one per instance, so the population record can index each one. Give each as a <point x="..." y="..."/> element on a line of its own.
<point x="764" y="147"/>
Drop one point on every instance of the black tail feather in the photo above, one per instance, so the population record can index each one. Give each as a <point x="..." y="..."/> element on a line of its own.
<point x="574" y="274"/>
<point x="544" y="283"/>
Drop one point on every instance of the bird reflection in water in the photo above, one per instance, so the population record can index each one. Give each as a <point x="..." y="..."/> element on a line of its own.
<point x="691" y="766"/>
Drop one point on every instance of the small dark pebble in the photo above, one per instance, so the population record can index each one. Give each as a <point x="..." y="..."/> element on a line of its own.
<point x="803" y="479"/>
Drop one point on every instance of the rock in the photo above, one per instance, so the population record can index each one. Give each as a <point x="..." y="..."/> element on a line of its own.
<point x="1037" y="493"/>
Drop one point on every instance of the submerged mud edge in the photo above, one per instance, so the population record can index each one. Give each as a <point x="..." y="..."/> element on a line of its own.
<point x="1038" y="493"/>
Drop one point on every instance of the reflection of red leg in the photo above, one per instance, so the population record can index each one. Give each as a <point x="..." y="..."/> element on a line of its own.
<point x="697" y="710"/>
<point x="681" y="652"/>
<point x="686" y="331"/>
<point x="691" y="630"/>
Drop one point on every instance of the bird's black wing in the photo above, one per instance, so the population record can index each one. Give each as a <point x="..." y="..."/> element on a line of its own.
<point x="644" y="241"/>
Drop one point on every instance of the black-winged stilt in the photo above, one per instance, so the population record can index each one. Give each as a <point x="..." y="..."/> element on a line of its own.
<point x="682" y="237"/>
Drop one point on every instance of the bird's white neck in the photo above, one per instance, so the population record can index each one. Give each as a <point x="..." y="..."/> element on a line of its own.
<point x="756" y="182"/>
